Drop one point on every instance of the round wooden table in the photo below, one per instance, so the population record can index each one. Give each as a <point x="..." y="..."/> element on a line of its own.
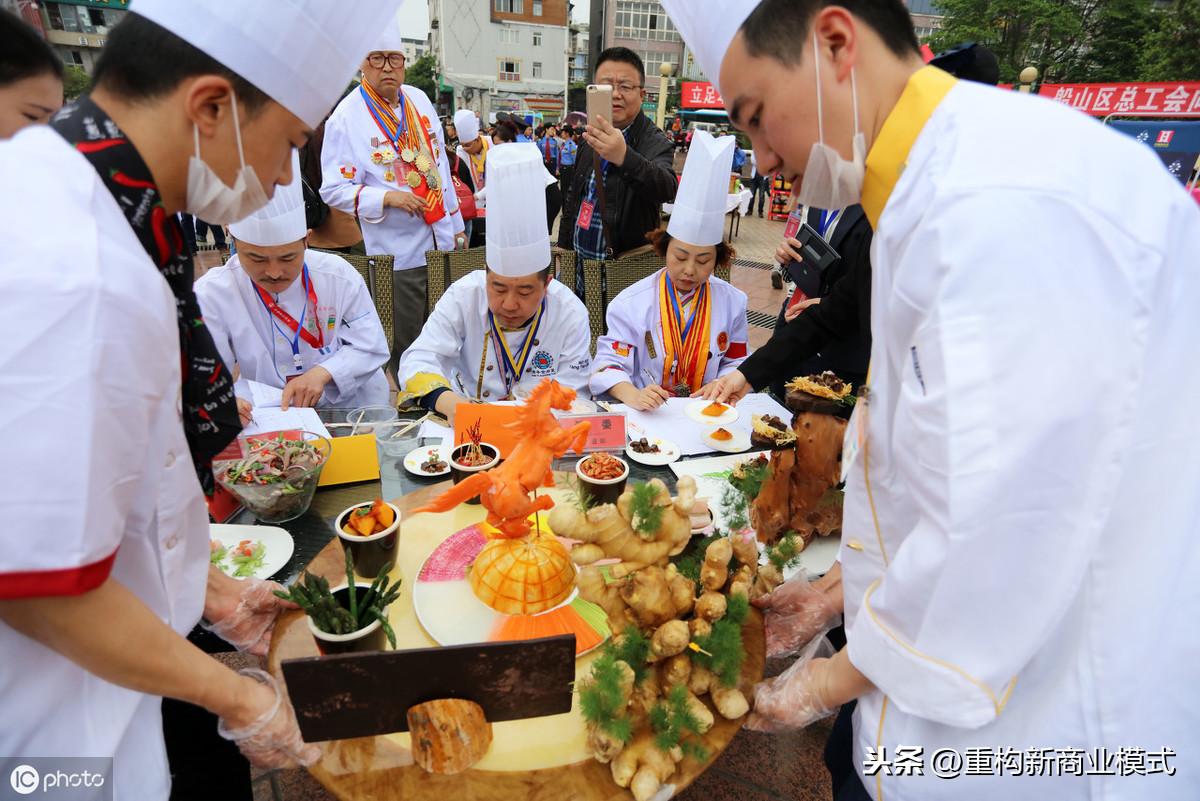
<point x="540" y="759"/>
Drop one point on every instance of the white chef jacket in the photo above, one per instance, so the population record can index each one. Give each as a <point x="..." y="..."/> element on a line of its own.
<point x="94" y="452"/>
<point x="1031" y="449"/>
<point x="621" y="354"/>
<point x="455" y="348"/>
<point x="351" y="182"/>
<point x="248" y="335"/>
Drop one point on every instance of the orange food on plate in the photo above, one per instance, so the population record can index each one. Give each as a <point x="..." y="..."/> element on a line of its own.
<point x="714" y="409"/>
<point x="721" y="435"/>
<point x="368" y="520"/>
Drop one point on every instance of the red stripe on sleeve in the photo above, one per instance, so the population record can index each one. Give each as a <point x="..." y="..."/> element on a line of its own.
<point x="49" y="583"/>
<point x="737" y="350"/>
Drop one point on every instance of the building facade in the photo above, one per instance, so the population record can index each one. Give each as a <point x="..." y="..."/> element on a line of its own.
<point x="926" y="17"/>
<point x="502" y="55"/>
<point x="642" y="26"/>
<point x="414" y="49"/>
<point x="78" y="29"/>
<point x="580" y="53"/>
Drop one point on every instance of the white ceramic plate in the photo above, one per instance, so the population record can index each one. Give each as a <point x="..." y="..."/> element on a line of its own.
<point x="816" y="558"/>
<point x="277" y="542"/>
<point x="739" y="443"/>
<point x="668" y="452"/>
<point x="695" y="411"/>
<point x="412" y="462"/>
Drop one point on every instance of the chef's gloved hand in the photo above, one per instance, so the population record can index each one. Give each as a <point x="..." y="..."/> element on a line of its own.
<point x="273" y="739"/>
<point x="249" y="624"/>
<point x="798" y="696"/>
<point x="796" y="612"/>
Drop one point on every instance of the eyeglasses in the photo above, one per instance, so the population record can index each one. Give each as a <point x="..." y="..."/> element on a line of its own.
<point x="377" y="60"/>
<point x="624" y="87"/>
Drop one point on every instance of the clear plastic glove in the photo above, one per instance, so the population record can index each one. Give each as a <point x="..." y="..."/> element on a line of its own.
<point x="273" y="740"/>
<point x="796" y="613"/>
<point x="797" y="697"/>
<point x="249" y="625"/>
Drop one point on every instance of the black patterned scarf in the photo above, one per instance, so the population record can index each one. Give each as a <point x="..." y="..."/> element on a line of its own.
<point x="210" y="418"/>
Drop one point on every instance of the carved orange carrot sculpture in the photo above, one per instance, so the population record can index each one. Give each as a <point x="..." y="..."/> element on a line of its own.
<point x="522" y="572"/>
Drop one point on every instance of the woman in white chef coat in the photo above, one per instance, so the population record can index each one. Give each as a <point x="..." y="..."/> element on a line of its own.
<point x="682" y="327"/>
<point x="497" y="333"/>
<point x="292" y="318"/>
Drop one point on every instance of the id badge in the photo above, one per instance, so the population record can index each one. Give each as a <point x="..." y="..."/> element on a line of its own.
<point x="855" y="438"/>
<point x="585" y="214"/>
<point x="794" y="221"/>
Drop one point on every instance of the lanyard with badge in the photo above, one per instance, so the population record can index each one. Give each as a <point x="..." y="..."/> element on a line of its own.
<point x="512" y="366"/>
<point x="298" y="331"/>
<point x="594" y="189"/>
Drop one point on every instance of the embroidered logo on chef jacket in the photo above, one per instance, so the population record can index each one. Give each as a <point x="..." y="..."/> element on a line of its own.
<point x="349" y="171"/>
<point x="542" y="364"/>
<point x="722" y="341"/>
<point x="621" y="349"/>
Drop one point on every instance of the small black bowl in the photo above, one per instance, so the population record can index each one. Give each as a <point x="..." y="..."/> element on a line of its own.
<point x="458" y="472"/>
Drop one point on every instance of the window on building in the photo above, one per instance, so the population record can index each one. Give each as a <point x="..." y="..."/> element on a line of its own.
<point x="537" y="38"/>
<point x="55" y="17"/>
<point x="96" y="17"/>
<point x="510" y="6"/>
<point x="537" y="8"/>
<point x="644" y="21"/>
<point x="537" y="69"/>
<point x="510" y="35"/>
<point x="510" y="70"/>
<point x="77" y="58"/>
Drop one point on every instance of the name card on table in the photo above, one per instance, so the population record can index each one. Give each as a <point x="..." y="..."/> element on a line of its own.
<point x="607" y="432"/>
<point x="493" y="423"/>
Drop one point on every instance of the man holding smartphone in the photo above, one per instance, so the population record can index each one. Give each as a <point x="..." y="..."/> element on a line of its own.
<point x="624" y="169"/>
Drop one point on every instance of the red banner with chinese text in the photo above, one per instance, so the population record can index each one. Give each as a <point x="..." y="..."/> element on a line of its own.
<point x="1102" y="99"/>
<point x="700" y="94"/>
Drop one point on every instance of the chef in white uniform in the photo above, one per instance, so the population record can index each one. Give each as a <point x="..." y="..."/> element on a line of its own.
<point x="472" y="150"/>
<point x="497" y="333"/>
<point x="680" y="328"/>
<point x="292" y="318"/>
<point x="103" y="526"/>
<point x="383" y="160"/>
<point x="1019" y="547"/>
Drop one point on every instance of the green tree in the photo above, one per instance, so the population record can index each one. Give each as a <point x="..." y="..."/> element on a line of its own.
<point x="1171" y="50"/>
<point x="75" y="82"/>
<point x="423" y="75"/>
<point x="1067" y="40"/>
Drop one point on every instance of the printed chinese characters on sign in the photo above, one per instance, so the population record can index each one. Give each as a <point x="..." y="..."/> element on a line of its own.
<point x="1101" y="99"/>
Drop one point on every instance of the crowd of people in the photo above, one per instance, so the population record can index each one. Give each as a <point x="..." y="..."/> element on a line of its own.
<point x="1020" y="476"/>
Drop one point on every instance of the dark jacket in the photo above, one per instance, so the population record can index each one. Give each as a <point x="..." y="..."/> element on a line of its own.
<point x="635" y="191"/>
<point x="833" y="335"/>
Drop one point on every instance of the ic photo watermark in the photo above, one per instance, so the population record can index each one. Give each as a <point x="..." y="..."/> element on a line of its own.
<point x="56" y="778"/>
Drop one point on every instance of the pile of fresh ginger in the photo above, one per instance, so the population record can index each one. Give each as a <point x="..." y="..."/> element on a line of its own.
<point x="677" y="629"/>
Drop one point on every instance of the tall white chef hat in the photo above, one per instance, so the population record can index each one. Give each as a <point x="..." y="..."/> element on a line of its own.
<point x="467" y="125"/>
<point x="699" y="214"/>
<point x="390" y="39"/>
<point x="517" y="241"/>
<point x="301" y="53"/>
<point x="282" y="220"/>
<point x="707" y="33"/>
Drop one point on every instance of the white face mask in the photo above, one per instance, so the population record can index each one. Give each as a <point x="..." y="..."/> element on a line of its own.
<point x="831" y="182"/>
<point x="210" y="199"/>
